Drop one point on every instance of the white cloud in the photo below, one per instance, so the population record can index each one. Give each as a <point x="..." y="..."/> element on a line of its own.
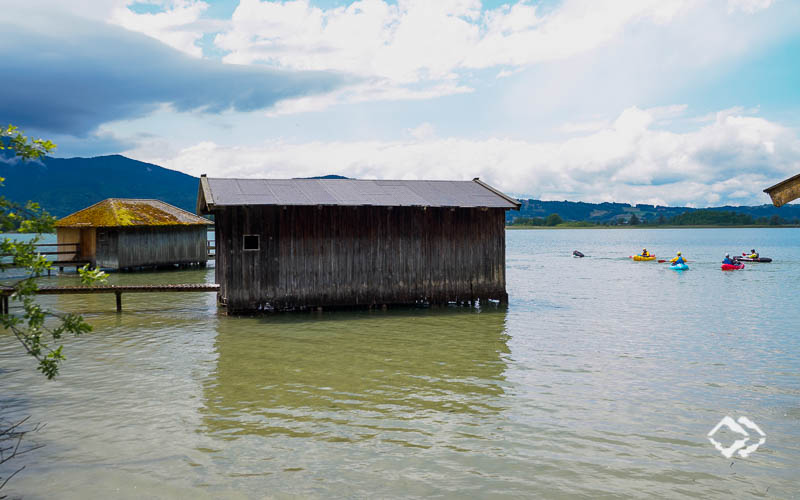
<point x="417" y="40"/>
<point x="748" y="6"/>
<point x="413" y="49"/>
<point x="630" y="159"/>
<point x="29" y="12"/>
<point x="431" y="44"/>
<point x="424" y="131"/>
<point x="583" y="127"/>
<point x="364" y="92"/>
<point x="177" y="26"/>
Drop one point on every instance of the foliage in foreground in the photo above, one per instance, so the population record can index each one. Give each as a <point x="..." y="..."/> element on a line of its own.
<point x="37" y="329"/>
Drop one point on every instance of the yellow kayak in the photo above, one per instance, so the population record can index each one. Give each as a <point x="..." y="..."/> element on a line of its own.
<point x="649" y="257"/>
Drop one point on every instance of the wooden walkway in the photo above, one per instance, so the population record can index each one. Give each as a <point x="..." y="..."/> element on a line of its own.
<point x="118" y="290"/>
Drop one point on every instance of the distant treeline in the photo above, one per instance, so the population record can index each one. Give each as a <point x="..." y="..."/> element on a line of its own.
<point x="621" y="213"/>
<point x="694" y="218"/>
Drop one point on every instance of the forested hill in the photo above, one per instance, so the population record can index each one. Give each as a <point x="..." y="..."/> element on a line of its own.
<point x="64" y="185"/>
<point x="622" y="212"/>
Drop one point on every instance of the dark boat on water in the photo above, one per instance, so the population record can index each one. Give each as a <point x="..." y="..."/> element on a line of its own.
<point x="748" y="259"/>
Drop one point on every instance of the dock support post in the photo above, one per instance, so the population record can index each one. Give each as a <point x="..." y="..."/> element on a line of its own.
<point x="119" y="301"/>
<point x="4" y="305"/>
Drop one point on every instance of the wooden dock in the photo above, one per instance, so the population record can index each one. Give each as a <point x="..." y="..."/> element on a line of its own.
<point x="118" y="290"/>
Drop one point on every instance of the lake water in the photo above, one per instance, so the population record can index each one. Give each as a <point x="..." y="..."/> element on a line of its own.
<point x="601" y="378"/>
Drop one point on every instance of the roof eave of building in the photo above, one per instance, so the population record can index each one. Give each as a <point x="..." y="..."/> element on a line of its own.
<point x="211" y="208"/>
<point x="205" y="199"/>
<point x="785" y="191"/>
<point x="509" y="199"/>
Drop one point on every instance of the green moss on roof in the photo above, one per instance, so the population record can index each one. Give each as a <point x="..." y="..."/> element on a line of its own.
<point x="119" y="212"/>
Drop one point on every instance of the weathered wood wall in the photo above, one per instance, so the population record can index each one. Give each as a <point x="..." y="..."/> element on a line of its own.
<point x="121" y="248"/>
<point x="107" y="242"/>
<point x="344" y="256"/>
<point x="85" y="237"/>
<point x="68" y="235"/>
<point x="88" y="243"/>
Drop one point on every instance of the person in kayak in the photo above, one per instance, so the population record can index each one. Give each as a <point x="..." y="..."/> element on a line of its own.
<point x="678" y="259"/>
<point x="645" y="253"/>
<point x="753" y="254"/>
<point x="727" y="260"/>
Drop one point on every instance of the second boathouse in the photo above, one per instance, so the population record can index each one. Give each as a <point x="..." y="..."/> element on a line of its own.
<point x="122" y="233"/>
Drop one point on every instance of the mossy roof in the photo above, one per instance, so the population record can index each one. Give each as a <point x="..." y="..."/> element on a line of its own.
<point x="123" y="212"/>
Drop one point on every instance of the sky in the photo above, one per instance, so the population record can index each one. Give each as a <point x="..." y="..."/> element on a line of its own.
<point x="667" y="102"/>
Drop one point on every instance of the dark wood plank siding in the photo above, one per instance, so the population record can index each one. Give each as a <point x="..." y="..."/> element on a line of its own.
<point x="107" y="248"/>
<point x="344" y="256"/>
<point x="156" y="246"/>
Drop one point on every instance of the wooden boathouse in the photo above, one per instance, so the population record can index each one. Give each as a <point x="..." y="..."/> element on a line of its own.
<point x="308" y="243"/>
<point x="119" y="233"/>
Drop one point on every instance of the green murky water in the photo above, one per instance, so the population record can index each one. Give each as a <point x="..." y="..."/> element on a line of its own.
<point x="600" y="379"/>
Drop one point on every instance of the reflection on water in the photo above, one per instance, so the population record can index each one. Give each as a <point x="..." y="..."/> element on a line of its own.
<point x="353" y="376"/>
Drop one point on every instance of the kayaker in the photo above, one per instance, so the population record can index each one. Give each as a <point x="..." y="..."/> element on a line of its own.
<point x="727" y="260"/>
<point x="753" y="254"/>
<point x="644" y="253"/>
<point x="678" y="259"/>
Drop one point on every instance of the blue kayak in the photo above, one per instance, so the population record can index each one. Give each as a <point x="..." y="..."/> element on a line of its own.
<point x="679" y="267"/>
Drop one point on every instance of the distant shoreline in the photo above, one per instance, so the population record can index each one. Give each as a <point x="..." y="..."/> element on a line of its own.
<point x="645" y="226"/>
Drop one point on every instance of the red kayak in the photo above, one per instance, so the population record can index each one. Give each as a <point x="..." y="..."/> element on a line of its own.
<point x="731" y="267"/>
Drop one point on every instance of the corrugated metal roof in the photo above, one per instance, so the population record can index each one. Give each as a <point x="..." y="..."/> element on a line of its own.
<point x="352" y="192"/>
<point x="122" y="212"/>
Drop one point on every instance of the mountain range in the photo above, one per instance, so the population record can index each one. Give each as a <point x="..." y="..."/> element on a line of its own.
<point x="65" y="185"/>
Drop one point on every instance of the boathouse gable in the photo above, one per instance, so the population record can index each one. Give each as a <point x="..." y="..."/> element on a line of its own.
<point x="119" y="233"/>
<point x="304" y="243"/>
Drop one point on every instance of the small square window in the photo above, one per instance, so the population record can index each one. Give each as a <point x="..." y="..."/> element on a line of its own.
<point x="251" y="242"/>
